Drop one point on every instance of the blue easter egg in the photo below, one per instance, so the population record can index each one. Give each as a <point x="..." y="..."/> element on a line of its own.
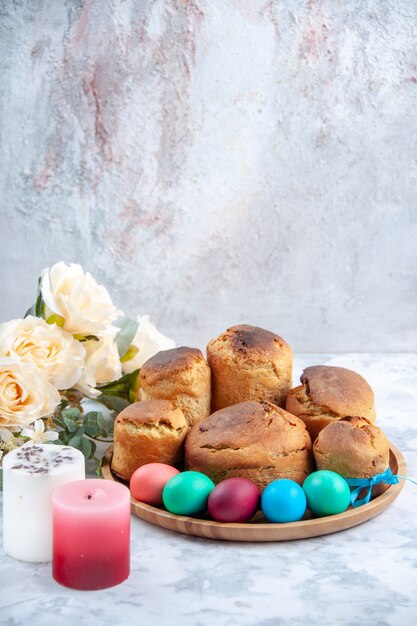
<point x="283" y="501"/>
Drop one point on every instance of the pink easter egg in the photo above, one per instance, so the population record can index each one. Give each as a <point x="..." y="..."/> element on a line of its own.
<point x="148" y="482"/>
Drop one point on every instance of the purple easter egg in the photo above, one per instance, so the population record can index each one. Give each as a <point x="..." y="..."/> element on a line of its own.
<point x="234" y="500"/>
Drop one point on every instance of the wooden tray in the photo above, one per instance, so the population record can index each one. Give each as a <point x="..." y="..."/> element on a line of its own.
<point x="258" y="529"/>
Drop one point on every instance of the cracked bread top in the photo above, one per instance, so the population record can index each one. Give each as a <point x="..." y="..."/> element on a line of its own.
<point x="177" y="362"/>
<point x="151" y="431"/>
<point x="177" y="370"/>
<point x="248" y="344"/>
<point x="249" y="363"/>
<point x="352" y="447"/>
<point x="340" y="390"/>
<point x="246" y="435"/>
<point x="152" y="412"/>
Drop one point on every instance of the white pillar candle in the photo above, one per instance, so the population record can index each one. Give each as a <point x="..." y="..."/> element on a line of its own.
<point x="30" y="475"/>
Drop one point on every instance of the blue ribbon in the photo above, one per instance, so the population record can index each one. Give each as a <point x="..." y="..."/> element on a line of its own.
<point x="386" y="477"/>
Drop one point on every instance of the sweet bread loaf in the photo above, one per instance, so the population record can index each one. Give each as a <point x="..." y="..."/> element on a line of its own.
<point x="249" y="363"/>
<point x="182" y="376"/>
<point x="327" y="394"/>
<point x="255" y="440"/>
<point x="354" y="448"/>
<point x="152" y="431"/>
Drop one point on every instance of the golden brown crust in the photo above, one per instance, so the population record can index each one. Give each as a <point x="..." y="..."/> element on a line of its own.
<point x="339" y="389"/>
<point x="251" y="342"/>
<point x="255" y="440"/>
<point x="173" y="362"/>
<point x="328" y="394"/>
<point x="249" y="363"/>
<point x="354" y="448"/>
<point x="151" y="431"/>
<point x="183" y="377"/>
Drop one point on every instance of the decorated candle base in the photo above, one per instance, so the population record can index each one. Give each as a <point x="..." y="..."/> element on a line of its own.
<point x="30" y="475"/>
<point x="91" y="534"/>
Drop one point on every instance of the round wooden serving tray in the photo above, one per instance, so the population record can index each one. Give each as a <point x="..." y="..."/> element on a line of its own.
<point x="258" y="529"/>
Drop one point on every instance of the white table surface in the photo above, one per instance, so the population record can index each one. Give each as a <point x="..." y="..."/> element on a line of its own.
<point x="365" y="575"/>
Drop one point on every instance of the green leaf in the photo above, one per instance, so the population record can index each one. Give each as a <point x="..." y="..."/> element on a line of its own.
<point x="71" y="413"/>
<point x="110" y="426"/>
<point x="56" y="319"/>
<point x="58" y="421"/>
<point x="79" y="432"/>
<point x="70" y="425"/>
<point x="121" y="387"/>
<point x="40" y="306"/>
<point x="98" y="468"/>
<point x="114" y="403"/>
<point x="94" y="424"/>
<point x="64" y="403"/>
<point x="86" y="337"/>
<point x="31" y="311"/>
<point x="125" y="335"/>
<point x="38" y="309"/>
<point x="128" y="356"/>
<point x="93" y="448"/>
<point x="83" y="444"/>
<point x="63" y="438"/>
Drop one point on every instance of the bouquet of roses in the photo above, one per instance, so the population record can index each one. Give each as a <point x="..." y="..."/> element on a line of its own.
<point x="72" y="344"/>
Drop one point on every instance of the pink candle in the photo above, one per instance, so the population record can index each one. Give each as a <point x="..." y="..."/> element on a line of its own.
<point x="91" y="534"/>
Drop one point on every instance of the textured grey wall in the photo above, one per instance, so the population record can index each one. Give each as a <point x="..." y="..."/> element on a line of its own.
<point x="213" y="162"/>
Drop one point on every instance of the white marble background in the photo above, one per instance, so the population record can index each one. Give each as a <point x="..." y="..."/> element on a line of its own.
<point x="214" y="161"/>
<point x="364" y="576"/>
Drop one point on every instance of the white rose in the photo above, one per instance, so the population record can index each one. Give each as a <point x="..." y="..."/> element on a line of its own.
<point x="50" y="348"/>
<point x="147" y="342"/>
<point x="102" y="365"/>
<point x="25" y="393"/>
<point x="82" y="305"/>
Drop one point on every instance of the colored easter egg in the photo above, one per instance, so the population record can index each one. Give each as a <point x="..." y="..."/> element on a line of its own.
<point x="327" y="493"/>
<point x="234" y="500"/>
<point x="187" y="493"/>
<point x="283" y="501"/>
<point x="148" y="482"/>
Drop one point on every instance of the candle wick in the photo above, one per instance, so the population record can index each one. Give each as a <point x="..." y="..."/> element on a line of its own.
<point x="90" y="497"/>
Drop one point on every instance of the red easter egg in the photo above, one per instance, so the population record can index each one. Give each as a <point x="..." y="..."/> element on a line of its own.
<point x="234" y="500"/>
<point x="148" y="482"/>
